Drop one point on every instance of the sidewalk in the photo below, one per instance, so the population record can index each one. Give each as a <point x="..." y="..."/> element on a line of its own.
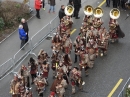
<point x="12" y="44"/>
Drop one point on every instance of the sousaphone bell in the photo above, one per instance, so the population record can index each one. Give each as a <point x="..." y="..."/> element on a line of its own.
<point x="69" y="10"/>
<point x="88" y="10"/>
<point x="114" y="13"/>
<point x="98" y="12"/>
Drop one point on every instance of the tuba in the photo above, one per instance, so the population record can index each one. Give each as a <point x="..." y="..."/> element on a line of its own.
<point x="114" y="13"/>
<point x="69" y="10"/>
<point x="88" y="10"/>
<point x="98" y="12"/>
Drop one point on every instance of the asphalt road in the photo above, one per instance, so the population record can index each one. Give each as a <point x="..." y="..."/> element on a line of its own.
<point x="107" y="70"/>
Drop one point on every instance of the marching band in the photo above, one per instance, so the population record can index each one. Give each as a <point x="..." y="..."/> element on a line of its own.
<point x="92" y="41"/>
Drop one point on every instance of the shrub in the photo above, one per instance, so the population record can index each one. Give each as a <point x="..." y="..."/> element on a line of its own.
<point x="1" y="23"/>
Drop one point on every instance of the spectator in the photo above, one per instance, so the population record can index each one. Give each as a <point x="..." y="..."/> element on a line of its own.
<point x="116" y="3"/>
<point x="61" y="12"/>
<point x="38" y="5"/>
<point x="77" y="6"/>
<point x="107" y="3"/>
<point x="52" y="5"/>
<point x="70" y="2"/>
<point x="22" y="35"/>
<point x="25" y="27"/>
<point x="123" y="4"/>
<point x="43" y="4"/>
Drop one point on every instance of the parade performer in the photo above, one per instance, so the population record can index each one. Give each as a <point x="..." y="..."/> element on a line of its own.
<point x="92" y="49"/>
<point x="76" y="79"/>
<point x="40" y="83"/>
<point x="33" y="69"/>
<point x="67" y="44"/>
<point x="24" y="73"/>
<point x="114" y="28"/>
<point x="103" y="41"/>
<point x="15" y="87"/>
<point x="57" y="87"/>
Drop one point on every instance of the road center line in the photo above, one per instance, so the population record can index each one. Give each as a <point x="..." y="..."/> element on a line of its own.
<point x="72" y="31"/>
<point x="102" y="3"/>
<point x="114" y="89"/>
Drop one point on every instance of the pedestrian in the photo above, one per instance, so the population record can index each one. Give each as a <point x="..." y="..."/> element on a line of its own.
<point x="38" y="5"/>
<point x="108" y="3"/>
<point x="52" y="5"/>
<point x="77" y="6"/>
<point x="61" y="12"/>
<point x="25" y="27"/>
<point x="123" y="2"/>
<point x="70" y="2"/>
<point x="43" y="4"/>
<point x="22" y="35"/>
<point x="116" y="3"/>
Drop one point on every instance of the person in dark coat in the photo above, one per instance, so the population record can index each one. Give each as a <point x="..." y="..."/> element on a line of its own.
<point x="123" y="2"/>
<point x="25" y="27"/>
<point x="22" y="35"/>
<point x="108" y="3"/>
<point x="70" y="2"/>
<point x="52" y="5"/>
<point x="61" y="12"/>
<point x="116" y="3"/>
<point x="77" y="6"/>
<point x="119" y="32"/>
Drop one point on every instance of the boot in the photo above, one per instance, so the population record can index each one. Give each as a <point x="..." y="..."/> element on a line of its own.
<point x="86" y="72"/>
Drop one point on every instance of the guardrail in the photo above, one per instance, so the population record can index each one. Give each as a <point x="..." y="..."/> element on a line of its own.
<point x="34" y="41"/>
<point x="123" y="91"/>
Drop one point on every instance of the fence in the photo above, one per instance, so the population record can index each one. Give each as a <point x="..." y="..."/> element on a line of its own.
<point x="34" y="41"/>
<point x="123" y="91"/>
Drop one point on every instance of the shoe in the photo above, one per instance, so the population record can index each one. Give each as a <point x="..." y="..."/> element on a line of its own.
<point x="53" y="12"/>
<point x="73" y="16"/>
<point x="43" y="8"/>
<point x="75" y="61"/>
<point x="106" y="5"/>
<point x="77" y="18"/>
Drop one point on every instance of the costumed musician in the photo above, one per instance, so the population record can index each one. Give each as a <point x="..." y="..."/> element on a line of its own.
<point x="58" y="86"/>
<point x="114" y="28"/>
<point x="42" y="56"/>
<point x="76" y="79"/>
<point x="33" y="68"/>
<point x="83" y="30"/>
<point x="45" y="71"/>
<point x="40" y="83"/>
<point x="88" y="10"/>
<point x="97" y="20"/>
<point x="56" y="42"/>
<point x="92" y="33"/>
<point x="55" y="62"/>
<point x="103" y="41"/>
<point x="15" y="86"/>
<point x="77" y="44"/>
<point x="67" y="44"/>
<point x="24" y="73"/>
<point x="84" y="61"/>
<point x="92" y="49"/>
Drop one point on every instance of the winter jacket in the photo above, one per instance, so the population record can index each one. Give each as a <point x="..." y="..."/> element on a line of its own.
<point x="51" y="2"/>
<point x="38" y="4"/>
<point x="61" y="13"/>
<point x="25" y="27"/>
<point x="22" y="34"/>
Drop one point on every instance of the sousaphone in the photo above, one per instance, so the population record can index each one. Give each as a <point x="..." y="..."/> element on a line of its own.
<point x="98" y="12"/>
<point x="114" y="13"/>
<point x="88" y="10"/>
<point x="69" y="9"/>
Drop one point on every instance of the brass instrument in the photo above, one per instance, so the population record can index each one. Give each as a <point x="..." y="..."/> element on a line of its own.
<point x="98" y="12"/>
<point x="88" y="10"/>
<point x="114" y="13"/>
<point x="69" y="10"/>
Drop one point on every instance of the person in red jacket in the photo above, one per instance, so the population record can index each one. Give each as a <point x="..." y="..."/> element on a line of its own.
<point x="38" y="5"/>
